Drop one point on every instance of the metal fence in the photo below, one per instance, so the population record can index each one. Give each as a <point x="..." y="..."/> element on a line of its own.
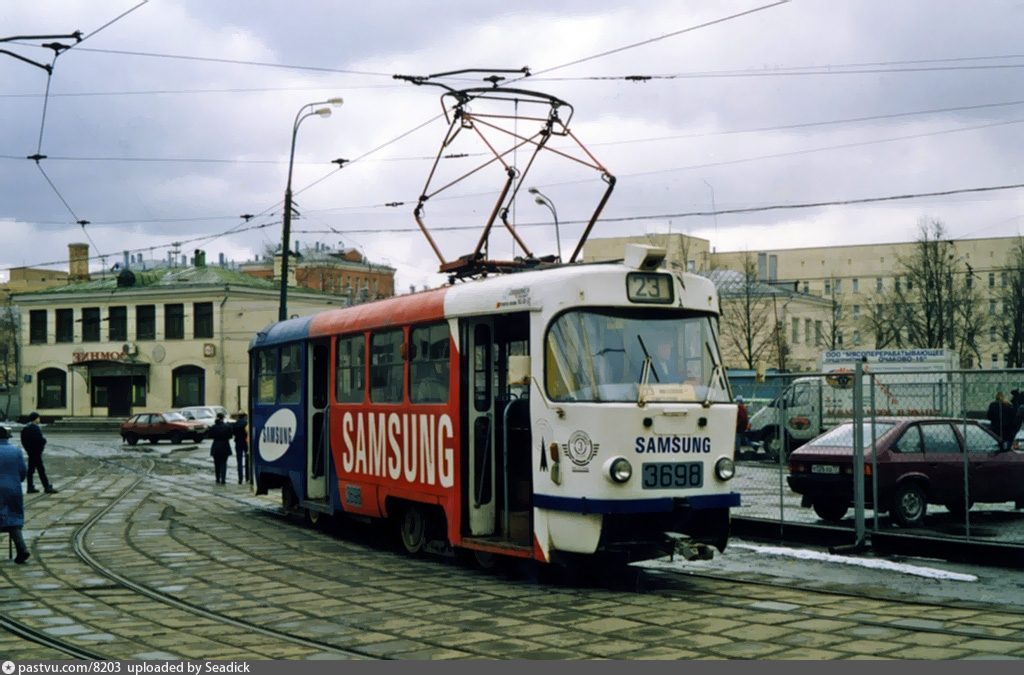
<point x="920" y="441"/>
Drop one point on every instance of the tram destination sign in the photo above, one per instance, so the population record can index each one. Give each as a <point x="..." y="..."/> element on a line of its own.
<point x="649" y="287"/>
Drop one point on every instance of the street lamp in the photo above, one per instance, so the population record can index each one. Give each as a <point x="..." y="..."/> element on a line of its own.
<point x="305" y="111"/>
<point x="539" y="198"/>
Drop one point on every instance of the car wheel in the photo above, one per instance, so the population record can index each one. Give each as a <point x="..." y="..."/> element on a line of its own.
<point x="131" y="439"/>
<point x="909" y="504"/>
<point x="830" y="511"/>
<point x="177" y="437"/>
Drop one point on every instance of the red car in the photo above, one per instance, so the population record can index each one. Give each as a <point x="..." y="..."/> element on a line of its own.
<point x="920" y="461"/>
<point x="156" y="426"/>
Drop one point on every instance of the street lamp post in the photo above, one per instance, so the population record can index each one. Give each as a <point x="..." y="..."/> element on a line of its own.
<point x="541" y="199"/>
<point x="305" y="111"/>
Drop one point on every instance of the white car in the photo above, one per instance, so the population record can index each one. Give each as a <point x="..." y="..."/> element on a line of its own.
<point x="206" y="413"/>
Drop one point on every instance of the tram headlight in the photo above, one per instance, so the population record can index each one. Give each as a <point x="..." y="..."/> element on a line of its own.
<point x="725" y="468"/>
<point x="619" y="469"/>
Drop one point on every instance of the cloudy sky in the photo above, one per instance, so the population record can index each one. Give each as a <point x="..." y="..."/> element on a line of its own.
<point x="173" y="118"/>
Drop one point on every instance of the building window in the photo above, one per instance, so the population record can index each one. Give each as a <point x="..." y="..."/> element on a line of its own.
<point x="65" y="325"/>
<point x="828" y="286"/>
<point x="52" y="383"/>
<point x="807" y="287"/>
<point x="429" y="365"/>
<point x="174" y="322"/>
<point x="386" y="367"/>
<point x="856" y="285"/>
<point x="896" y="284"/>
<point x="289" y="378"/>
<point x="817" y="333"/>
<point x="1002" y="279"/>
<point x="117" y="324"/>
<point x="839" y="339"/>
<point x="188" y="386"/>
<point x="145" y="322"/>
<point x="991" y="279"/>
<point x="992" y="307"/>
<point x="856" y="311"/>
<point x="795" y="336"/>
<point x="910" y="284"/>
<point x="856" y="337"/>
<point x="808" y="330"/>
<point x="90" y="324"/>
<point x="995" y="360"/>
<point x="350" y="378"/>
<point x="878" y="284"/>
<point x="203" y="326"/>
<point x="37" y="327"/>
<point x="839" y="286"/>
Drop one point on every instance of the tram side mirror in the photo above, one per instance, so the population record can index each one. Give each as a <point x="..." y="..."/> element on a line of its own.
<point x="519" y="370"/>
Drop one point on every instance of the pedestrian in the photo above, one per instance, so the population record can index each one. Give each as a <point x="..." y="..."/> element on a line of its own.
<point x="1001" y="416"/>
<point x="241" y="443"/>
<point x="221" y="448"/>
<point x="12" y="504"/>
<point x="33" y="441"/>
<point x="742" y="422"/>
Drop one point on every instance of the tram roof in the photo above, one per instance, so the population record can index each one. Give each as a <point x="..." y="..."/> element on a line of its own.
<point x="281" y="332"/>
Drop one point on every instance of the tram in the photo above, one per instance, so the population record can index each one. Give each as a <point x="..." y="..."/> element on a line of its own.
<point x="568" y="412"/>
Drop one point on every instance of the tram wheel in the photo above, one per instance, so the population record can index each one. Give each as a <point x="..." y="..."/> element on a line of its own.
<point x="412" y="529"/>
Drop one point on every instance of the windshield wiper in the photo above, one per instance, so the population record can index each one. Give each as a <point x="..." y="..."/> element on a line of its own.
<point x="645" y="371"/>
<point x="716" y="371"/>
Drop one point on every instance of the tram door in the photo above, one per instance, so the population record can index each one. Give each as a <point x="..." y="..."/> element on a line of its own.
<point x="318" y="438"/>
<point x="479" y="487"/>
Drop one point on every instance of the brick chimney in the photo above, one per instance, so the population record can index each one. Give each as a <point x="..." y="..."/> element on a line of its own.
<point x="78" y="262"/>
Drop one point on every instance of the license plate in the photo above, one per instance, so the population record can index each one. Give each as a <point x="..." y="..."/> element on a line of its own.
<point x="824" y="468"/>
<point x="667" y="475"/>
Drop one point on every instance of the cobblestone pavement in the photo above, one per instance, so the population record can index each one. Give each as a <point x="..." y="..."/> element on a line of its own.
<point x="216" y="573"/>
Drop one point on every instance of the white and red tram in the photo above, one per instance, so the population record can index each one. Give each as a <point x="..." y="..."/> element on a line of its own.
<point x="571" y="411"/>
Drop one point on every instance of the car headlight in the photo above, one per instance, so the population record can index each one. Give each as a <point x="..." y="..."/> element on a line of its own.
<point x="725" y="468"/>
<point x="618" y="469"/>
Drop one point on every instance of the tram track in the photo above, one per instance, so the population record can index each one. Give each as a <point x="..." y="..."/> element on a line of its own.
<point x="324" y="565"/>
<point x="80" y="549"/>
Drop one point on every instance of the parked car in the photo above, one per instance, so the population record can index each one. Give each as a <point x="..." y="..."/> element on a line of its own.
<point x="206" y="413"/>
<point x="154" y="427"/>
<point x="920" y="461"/>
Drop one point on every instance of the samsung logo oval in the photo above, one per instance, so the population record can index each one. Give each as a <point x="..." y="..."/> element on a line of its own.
<point x="277" y="434"/>
<point x="672" y="444"/>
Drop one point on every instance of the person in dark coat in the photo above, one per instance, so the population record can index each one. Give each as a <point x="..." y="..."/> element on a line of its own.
<point x="12" y="505"/>
<point x="1001" y="416"/>
<point x="33" y="442"/>
<point x="221" y="449"/>
<point x="241" y="433"/>
<point x="742" y="422"/>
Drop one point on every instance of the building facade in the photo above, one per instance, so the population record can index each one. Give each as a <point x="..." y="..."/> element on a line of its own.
<point x="850" y="279"/>
<point x="344" y="272"/>
<point x="146" y="340"/>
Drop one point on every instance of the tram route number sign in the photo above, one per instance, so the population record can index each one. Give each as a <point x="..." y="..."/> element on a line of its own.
<point x="666" y="475"/>
<point x="649" y="287"/>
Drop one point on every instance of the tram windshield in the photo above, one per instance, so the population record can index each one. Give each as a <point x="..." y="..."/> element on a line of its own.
<point x="633" y="355"/>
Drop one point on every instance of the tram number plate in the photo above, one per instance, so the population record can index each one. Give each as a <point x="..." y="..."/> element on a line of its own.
<point x="665" y="475"/>
<point x="824" y="468"/>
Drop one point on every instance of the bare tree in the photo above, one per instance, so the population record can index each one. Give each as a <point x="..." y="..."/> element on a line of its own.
<point x="933" y="302"/>
<point x="8" y="354"/>
<point x="1012" y="317"/>
<point x="749" y="326"/>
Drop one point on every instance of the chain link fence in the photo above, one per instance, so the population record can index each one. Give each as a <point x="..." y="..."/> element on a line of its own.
<point x="821" y="446"/>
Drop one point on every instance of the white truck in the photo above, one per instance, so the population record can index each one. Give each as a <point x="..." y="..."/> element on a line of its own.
<point x="906" y="382"/>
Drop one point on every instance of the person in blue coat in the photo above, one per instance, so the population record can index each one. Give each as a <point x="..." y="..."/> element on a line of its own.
<point x="12" y="505"/>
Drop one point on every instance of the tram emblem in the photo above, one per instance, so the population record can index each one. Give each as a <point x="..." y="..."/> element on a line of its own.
<point x="580" y="450"/>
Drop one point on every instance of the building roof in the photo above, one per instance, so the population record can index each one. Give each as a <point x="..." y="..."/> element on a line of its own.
<point x="165" y="278"/>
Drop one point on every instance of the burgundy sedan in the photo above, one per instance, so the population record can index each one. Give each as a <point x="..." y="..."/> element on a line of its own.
<point x="156" y="426"/>
<point x="920" y="461"/>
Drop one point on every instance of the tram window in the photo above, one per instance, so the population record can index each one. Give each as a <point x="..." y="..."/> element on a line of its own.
<point x="266" y="376"/>
<point x="428" y="368"/>
<point x="349" y="377"/>
<point x="386" y="367"/>
<point x="290" y="376"/>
